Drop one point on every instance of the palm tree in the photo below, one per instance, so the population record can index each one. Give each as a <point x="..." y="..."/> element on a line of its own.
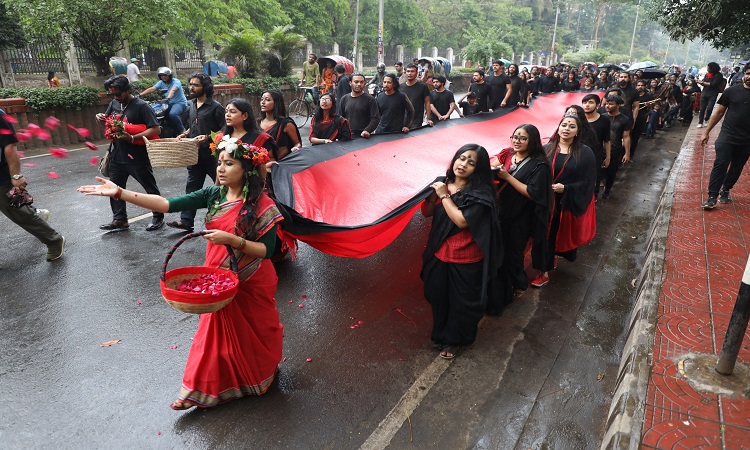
<point x="281" y="43"/>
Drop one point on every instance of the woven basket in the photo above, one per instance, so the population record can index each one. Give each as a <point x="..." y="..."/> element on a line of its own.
<point x="192" y="302"/>
<point x="170" y="152"/>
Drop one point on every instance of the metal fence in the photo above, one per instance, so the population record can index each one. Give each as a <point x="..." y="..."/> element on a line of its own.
<point x="37" y="59"/>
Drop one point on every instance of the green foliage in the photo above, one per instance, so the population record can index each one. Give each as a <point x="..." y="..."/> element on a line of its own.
<point x="12" y="35"/>
<point x="317" y="20"/>
<point x="484" y="46"/>
<point x="724" y="23"/>
<point x="63" y="97"/>
<point x="256" y="86"/>
<point x="281" y="44"/>
<point x="245" y="50"/>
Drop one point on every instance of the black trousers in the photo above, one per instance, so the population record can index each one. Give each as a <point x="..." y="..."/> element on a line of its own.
<point x="728" y="165"/>
<point x="206" y="166"/>
<point x="614" y="165"/>
<point x="143" y="174"/>
<point x="635" y="135"/>
<point x="707" y="107"/>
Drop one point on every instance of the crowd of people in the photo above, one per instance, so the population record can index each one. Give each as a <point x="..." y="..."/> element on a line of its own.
<point x="485" y="210"/>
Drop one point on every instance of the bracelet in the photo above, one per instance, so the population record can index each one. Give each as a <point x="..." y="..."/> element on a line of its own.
<point x="444" y="196"/>
<point x="242" y="243"/>
<point x="132" y="138"/>
<point x="118" y="194"/>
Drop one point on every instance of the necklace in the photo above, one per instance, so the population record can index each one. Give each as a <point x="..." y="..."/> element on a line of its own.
<point x="514" y="164"/>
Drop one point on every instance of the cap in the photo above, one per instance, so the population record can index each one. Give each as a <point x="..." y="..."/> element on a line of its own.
<point x="133" y="59"/>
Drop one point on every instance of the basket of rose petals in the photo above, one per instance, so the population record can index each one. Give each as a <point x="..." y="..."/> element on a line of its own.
<point x="198" y="289"/>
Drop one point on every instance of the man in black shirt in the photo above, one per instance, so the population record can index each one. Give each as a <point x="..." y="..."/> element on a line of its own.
<point x="342" y="85"/>
<point x="469" y="106"/>
<point x="517" y="92"/>
<point x="548" y="83"/>
<point x="500" y="83"/>
<point x="619" y="138"/>
<point x="482" y="90"/>
<point x="27" y="217"/>
<point x="601" y="127"/>
<point x="205" y="115"/>
<point x="419" y="95"/>
<point x="396" y="110"/>
<point x="733" y="143"/>
<point x="644" y="101"/>
<point x="360" y="108"/>
<point x="442" y="100"/>
<point x="630" y="94"/>
<point x="129" y="158"/>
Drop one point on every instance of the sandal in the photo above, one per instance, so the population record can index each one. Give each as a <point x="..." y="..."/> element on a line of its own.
<point x="181" y="405"/>
<point x="450" y="352"/>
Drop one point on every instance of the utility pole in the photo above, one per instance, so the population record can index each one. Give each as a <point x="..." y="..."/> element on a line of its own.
<point x="632" y="41"/>
<point x="381" y="59"/>
<point x="356" y="33"/>
<point x="554" y="36"/>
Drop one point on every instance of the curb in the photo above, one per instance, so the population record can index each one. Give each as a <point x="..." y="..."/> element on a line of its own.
<point x="627" y="410"/>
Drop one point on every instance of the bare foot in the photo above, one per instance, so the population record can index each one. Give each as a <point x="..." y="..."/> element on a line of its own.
<point x="181" y="405"/>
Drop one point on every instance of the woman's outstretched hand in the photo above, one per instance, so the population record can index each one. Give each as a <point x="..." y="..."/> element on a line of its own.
<point x="105" y="189"/>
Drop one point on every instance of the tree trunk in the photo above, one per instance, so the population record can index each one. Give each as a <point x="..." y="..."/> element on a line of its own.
<point x="599" y="16"/>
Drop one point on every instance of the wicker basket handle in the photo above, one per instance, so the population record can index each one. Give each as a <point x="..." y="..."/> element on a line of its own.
<point x="232" y="260"/>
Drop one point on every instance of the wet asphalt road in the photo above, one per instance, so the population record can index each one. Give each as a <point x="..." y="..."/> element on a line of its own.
<point x="540" y="376"/>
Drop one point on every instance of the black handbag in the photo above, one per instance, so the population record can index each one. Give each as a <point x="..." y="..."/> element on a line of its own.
<point x="104" y="161"/>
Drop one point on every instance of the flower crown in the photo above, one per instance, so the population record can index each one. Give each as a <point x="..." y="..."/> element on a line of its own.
<point x="237" y="149"/>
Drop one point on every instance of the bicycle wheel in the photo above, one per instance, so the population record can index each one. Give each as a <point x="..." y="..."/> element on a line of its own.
<point x="299" y="111"/>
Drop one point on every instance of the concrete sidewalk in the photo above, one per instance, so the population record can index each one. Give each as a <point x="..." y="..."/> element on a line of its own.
<point x="668" y="394"/>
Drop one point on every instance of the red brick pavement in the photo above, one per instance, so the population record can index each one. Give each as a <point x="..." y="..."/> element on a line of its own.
<point x="705" y="257"/>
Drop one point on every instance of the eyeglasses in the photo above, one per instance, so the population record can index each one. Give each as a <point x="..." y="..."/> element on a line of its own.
<point x="518" y="138"/>
<point x="325" y="100"/>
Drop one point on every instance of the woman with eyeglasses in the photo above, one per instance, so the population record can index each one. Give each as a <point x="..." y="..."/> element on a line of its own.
<point x="327" y="126"/>
<point x="523" y="210"/>
<point x="573" y="217"/>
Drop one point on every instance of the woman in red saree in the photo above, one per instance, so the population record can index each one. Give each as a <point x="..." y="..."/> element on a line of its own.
<point x="236" y="350"/>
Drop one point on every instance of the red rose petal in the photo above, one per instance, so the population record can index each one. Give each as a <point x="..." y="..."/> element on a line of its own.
<point x="174" y="347"/>
<point x="309" y="359"/>
<point x="43" y="135"/>
<point x="303" y="295"/>
<point x="70" y="127"/>
<point x="94" y="161"/>
<point x="301" y="305"/>
<point x="58" y="152"/>
<point x="130" y="156"/>
<point x="29" y="164"/>
<point x="91" y="145"/>
<point x="139" y="302"/>
<point x="84" y="132"/>
<point x="52" y="122"/>
<point x="53" y="175"/>
<point x="285" y="358"/>
<point x="6" y="131"/>
<point x="23" y="135"/>
<point x="20" y="154"/>
<point x="10" y="119"/>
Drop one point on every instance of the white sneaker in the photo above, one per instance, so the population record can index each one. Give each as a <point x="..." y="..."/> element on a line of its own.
<point x="700" y="125"/>
<point x="43" y="213"/>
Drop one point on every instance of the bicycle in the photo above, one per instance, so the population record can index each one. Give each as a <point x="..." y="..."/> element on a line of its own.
<point x="301" y="108"/>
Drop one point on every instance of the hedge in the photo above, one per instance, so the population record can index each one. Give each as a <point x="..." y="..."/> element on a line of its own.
<point x="78" y="97"/>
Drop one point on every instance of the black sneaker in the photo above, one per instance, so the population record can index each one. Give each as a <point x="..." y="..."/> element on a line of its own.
<point x="724" y="197"/>
<point x="605" y="194"/>
<point x="710" y="203"/>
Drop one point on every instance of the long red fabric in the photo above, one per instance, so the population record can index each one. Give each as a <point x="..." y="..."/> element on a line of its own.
<point x="348" y="201"/>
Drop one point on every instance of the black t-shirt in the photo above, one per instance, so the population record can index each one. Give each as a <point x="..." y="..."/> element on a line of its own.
<point x="442" y="101"/>
<point x="619" y="124"/>
<point x="499" y="85"/>
<point x="484" y="95"/>
<point x="416" y="94"/>
<point x="396" y="112"/>
<point x="202" y="121"/>
<point x="467" y="109"/>
<point x="5" y="140"/>
<point x="643" y="111"/>
<point x="631" y="94"/>
<point x="601" y="127"/>
<point x="571" y="86"/>
<point x="547" y="84"/>
<point x="361" y="112"/>
<point x="343" y="87"/>
<point x="735" y="130"/>
<point x="137" y="112"/>
<point x="518" y="91"/>
<point x="712" y="89"/>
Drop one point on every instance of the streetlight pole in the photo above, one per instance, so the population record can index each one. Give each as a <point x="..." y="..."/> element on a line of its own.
<point x="632" y="41"/>
<point x="381" y="59"/>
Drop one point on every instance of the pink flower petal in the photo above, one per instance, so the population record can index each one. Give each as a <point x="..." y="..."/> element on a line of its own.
<point x="84" y="132"/>
<point x="70" y="127"/>
<point x="91" y="145"/>
<point x="6" y="131"/>
<point x="174" y="347"/>
<point x="95" y="161"/>
<point x="130" y="156"/>
<point x="361" y="323"/>
<point x="53" y="175"/>
<point x="352" y="327"/>
<point x="29" y="164"/>
<point x="290" y="301"/>
<point x="301" y="305"/>
<point x="139" y="302"/>
<point x="158" y="433"/>
<point x="303" y="295"/>
<point x="58" y="152"/>
<point x="23" y="135"/>
<point x="309" y="359"/>
<point x="285" y="358"/>
<point x="20" y="154"/>
<point x="52" y="122"/>
<point x="43" y="135"/>
<point x="10" y="119"/>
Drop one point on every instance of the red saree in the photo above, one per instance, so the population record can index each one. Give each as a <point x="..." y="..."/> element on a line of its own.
<point x="236" y="350"/>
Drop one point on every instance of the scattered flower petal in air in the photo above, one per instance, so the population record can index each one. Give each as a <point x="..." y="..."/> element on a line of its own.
<point x="6" y="131"/>
<point x="301" y="305"/>
<point x="10" y="119"/>
<point x="58" y="152"/>
<point x="303" y="295"/>
<point x="174" y="347"/>
<point x="29" y="164"/>
<point x="71" y="128"/>
<point x="94" y="161"/>
<point x="52" y="122"/>
<point x="43" y="135"/>
<point x="309" y="360"/>
<point x="158" y="433"/>
<point x="130" y="156"/>
<point x="139" y="302"/>
<point x="84" y="132"/>
<point x="91" y="145"/>
<point x="285" y="358"/>
<point x="53" y="175"/>
<point x="23" y="135"/>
